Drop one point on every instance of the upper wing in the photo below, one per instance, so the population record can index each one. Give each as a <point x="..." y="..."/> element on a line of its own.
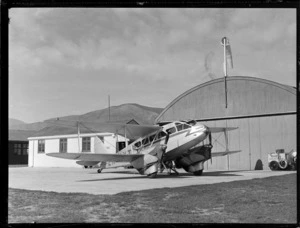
<point x="132" y="131"/>
<point x="216" y="154"/>
<point x="97" y="157"/>
<point x="221" y="129"/>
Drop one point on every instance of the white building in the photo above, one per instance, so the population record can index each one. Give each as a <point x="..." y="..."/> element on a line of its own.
<point x="64" y="140"/>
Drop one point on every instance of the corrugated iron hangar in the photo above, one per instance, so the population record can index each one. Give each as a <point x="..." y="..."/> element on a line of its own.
<point x="264" y="112"/>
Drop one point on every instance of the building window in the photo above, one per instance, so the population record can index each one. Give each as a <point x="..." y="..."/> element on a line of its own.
<point x="63" y="145"/>
<point x="25" y="149"/>
<point x="41" y="146"/>
<point x="86" y="144"/>
<point x="18" y="148"/>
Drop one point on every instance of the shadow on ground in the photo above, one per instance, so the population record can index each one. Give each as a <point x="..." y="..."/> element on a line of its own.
<point x="160" y="176"/>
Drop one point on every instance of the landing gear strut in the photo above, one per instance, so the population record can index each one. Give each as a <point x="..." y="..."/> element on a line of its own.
<point x="169" y="167"/>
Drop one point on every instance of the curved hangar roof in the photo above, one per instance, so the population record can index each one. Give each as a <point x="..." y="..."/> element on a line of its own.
<point x="246" y="96"/>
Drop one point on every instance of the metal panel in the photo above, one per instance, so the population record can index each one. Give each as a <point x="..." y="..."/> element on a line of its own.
<point x="256" y="137"/>
<point x="246" y="96"/>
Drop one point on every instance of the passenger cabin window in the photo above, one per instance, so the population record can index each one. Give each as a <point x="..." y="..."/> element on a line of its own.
<point x="145" y="141"/>
<point x="171" y="130"/>
<point x="138" y="144"/>
<point x="161" y="135"/>
<point x="151" y="138"/>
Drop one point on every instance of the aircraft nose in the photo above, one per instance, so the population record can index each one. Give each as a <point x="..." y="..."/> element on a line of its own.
<point x="206" y="130"/>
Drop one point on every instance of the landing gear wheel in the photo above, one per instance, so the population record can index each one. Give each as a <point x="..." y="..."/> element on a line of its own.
<point x="99" y="170"/>
<point x="198" y="173"/>
<point x="152" y="175"/>
<point x="274" y="165"/>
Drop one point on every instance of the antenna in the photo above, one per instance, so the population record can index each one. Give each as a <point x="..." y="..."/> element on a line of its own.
<point x="227" y="55"/>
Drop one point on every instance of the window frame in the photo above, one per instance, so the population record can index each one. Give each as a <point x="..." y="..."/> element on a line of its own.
<point x="172" y="129"/>
<point x="86" y="144"/>
<point x="41" y="146"/>
<point x="63" y="145"/>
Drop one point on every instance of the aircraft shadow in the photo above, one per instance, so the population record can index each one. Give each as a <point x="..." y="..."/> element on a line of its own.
<point x="161" y="176"/>
<point x="222" y="173"/>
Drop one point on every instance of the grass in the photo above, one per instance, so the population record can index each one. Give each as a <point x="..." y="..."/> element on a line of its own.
<point x="267" y="200"/>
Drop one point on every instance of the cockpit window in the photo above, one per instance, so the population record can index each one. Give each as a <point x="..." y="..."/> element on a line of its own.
<point x="185" y="126"/>
<point x="171" y="130"/>
<point x="179" y="126"/>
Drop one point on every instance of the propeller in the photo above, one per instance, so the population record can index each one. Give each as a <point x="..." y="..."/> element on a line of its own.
<point x="210" y="142"/>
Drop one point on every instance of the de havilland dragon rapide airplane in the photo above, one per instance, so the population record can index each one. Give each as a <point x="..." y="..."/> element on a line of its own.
<point x="167" y="145"/>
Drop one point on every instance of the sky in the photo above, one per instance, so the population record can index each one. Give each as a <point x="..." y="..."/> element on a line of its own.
<point x="66" y="61"/>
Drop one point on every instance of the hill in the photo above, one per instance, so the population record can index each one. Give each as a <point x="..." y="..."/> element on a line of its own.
<point x="121" y="113"/>
<point x="14" y="122"/>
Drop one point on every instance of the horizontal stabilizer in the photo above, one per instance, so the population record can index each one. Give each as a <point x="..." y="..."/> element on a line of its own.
<point x="223" y="153"/>
<point x="97" y="157"/>
<point x="221" y="129"/>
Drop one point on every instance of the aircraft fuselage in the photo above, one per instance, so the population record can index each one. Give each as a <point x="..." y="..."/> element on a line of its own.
<point x="182" y="137"/>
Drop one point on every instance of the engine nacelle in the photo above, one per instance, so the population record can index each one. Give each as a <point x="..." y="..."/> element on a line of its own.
<point x="193" y="161"/>
<point x="147" y="164"/>
<point x="196" y="167"/>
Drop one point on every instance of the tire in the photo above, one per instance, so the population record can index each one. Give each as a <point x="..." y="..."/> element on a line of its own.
<point x="283" y="164"/>
<point x="99" y="170"/>
<point x="198" y="173"/>
<point x="274" y="165"/>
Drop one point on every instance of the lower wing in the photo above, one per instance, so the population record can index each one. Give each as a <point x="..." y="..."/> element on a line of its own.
<point x="223" y="153"/>
<point x="97" y="157"/>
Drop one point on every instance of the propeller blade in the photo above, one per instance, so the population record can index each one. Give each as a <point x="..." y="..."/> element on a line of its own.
<point x="209" y="138"/>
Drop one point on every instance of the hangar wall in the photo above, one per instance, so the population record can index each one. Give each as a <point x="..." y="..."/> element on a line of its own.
<point x="264" y="112"/>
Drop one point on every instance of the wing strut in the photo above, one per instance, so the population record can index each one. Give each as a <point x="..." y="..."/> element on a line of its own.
<point x="78" y="135"/>
<point x="226" y="145"/>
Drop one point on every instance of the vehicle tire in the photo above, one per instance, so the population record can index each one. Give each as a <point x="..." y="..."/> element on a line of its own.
<point x="99" y="170"/>
<point x="152" y="175"/>
<point x="274" y="165"/>
<point x="283" y="164"/>
<point x="198" y="173"/>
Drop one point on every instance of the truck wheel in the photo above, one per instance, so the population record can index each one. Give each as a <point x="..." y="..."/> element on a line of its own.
<point x="274" y="165"/>
<point x="283" y="164"/>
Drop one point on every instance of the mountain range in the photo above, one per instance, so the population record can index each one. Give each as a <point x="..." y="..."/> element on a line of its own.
<point x="121" y="113"/>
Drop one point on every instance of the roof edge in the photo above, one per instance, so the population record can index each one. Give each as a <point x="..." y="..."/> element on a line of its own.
<point x="229" y="78"/>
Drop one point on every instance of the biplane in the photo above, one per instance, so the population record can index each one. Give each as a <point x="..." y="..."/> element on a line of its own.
<point x="164" y="146"/>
